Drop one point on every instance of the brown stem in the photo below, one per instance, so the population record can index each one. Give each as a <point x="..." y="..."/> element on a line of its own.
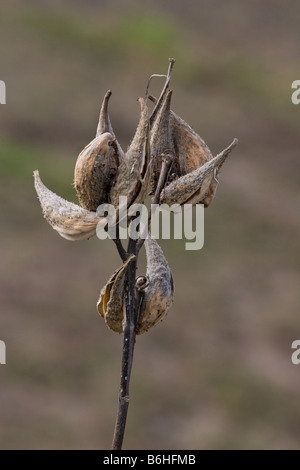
<point x="120" y="248"/>
<point x="127" y="351"/>
<point x="166" y="86"/>
<point x="133" y="305"/>
<point x="132" y="315"/>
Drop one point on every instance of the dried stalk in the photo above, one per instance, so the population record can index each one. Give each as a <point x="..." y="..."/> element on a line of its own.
<point x="127" y="351"/>
<point x="132" y="307"/>
<point x="102" y="174"/>
<point x="132" y="314"/>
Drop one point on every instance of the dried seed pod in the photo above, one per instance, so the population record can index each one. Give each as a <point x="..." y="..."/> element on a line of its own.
<point x="69" y="220"/>
<point x="104" y="124"/>
<point x="111" y="303"/>
<point x="95" y="171"/>
<point x="97" y="164"/>
<point x="162" y="143"/>
<point x="197" y="175"/>
<point x="190" y="149"/>
<point x="195" y="187"/>
<point x="134" y="171"/>
<point x="157" y="287"/>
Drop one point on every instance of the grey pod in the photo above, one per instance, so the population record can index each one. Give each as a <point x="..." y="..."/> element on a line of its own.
<point x="95" y="172"/>
<point x="69" y="220"/>
<point x="157" y="288"/>
<point x="198" y="186"/>
<point x="195" y="170"/>
<point x="97" y="165"/>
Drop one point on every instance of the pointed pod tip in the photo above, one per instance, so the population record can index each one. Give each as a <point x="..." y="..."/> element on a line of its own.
<point x="142" y="103"/>
<point x="230" y="147"/>
<point x="106" y="100"/>
<point x="140" y="100"/>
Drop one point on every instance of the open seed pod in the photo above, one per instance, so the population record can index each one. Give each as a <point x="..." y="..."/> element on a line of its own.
<point x="187" y="182"/>
<point x="95" y="172"/>
<point x="197" y="186"/>
<point x="157" y="288"/>
<point x="97" y="165"/>
<point x="111" y="303"/>
<point x="69" y="220"/>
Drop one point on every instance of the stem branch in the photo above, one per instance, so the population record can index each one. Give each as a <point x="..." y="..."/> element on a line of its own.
<point x="127" y="351"/>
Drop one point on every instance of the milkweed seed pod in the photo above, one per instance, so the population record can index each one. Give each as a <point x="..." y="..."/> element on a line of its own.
<point x="111" y="303"/>
<point x="162" y="143"/>
<point x="190" y="148"/>
<point x="69" y="220"/>
<point x="197" y="186"/>
<point x="97" y="165"/>
<point x="134" y="170"/>
<point x="191" y="153"/>
<point x="95" y="172"/>
<point x="157" y="287"/>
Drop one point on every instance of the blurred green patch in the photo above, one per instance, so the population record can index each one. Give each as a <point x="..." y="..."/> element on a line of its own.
<point x="150" y="32"/>
<point x="146" y="36"/>
<point x="19" y="160"/>
<point x="110" y="40"/>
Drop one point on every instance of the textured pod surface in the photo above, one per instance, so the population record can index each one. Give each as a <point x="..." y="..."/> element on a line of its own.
<point x="190" y="152"/>
<point x="111" y="303"/>
<point x="190" y="149"/>
<point x="159" y="291"/>
<point x="95" y="171"/>
<point x="134" y="171"/>
<point x="162" y="142"/>
<point x="69" y="220"/>
<point x="196" y="186"/>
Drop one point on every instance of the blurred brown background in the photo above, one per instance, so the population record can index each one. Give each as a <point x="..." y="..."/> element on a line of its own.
<point x="217" y="373"/>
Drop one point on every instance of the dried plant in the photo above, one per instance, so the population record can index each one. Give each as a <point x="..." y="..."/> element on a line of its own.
<point x="169" y="159"/>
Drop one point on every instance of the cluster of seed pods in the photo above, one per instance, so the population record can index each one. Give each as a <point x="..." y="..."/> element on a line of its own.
<point x="104" y="173"/>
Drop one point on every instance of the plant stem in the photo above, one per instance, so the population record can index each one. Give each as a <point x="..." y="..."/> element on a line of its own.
<point x="120" y="248"/>
<point x="162" y="95"/>
<point x="133" y="306"/>
<point x="127" y="351"/>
